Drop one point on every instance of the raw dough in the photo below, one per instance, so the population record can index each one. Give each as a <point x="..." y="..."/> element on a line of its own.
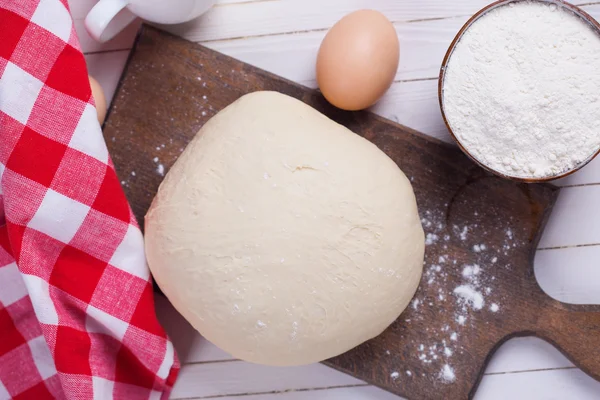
<point x="283" y="237"/>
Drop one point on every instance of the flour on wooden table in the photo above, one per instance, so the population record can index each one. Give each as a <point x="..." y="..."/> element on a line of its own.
<point x="472" y="295"/>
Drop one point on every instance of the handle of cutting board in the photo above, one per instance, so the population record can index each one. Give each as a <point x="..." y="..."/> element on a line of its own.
<point x="575" y="331"/>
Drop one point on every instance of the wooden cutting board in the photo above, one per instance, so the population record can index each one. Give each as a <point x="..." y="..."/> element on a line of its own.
<point x="478" y="287"/>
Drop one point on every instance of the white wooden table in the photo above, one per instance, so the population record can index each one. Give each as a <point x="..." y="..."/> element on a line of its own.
<point x="282" y="36"/>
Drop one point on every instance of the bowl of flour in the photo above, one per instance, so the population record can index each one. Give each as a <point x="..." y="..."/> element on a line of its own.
<point x="519" y="89"/>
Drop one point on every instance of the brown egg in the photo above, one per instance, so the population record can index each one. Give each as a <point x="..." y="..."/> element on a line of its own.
<point x="358" y="60"/>
<point x="99" y="99"/>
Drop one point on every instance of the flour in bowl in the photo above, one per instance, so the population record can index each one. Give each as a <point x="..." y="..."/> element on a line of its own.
<point x="522" y="90"/>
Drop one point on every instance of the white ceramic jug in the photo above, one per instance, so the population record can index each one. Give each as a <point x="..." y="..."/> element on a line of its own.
<point x="109" y="17"/>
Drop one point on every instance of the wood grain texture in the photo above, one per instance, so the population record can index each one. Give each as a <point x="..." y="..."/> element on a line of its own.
<point x="191" y="83"/>
<point x="547" y="385"/>
<point x="570" y="384"/>
<point x="252" y="378"/>
<point x="281" y="17"/>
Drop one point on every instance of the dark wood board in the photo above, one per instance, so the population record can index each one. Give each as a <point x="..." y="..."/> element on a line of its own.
<point x="482" y="231"/>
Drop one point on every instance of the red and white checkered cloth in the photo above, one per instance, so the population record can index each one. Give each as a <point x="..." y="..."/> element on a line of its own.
<point x="77" y="316"/>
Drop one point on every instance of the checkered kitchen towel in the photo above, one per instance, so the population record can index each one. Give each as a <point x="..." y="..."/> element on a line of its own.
<point x="77" y="314"/>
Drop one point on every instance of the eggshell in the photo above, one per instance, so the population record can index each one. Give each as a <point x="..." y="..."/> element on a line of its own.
<point x="358" y="60"/>
<point x="99" y="99"/>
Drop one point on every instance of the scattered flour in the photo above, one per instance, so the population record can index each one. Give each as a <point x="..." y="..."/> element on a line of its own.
<point x="470" y="288"/>
<point x="160" y="169"/>
<point x="430" y="239"/>
<point x="395" y="375"/>
<point x="471" y="270"/>
<point x="494" y="307"/>
<point x="470" y="295"/>
<point x="447" y="374"/>
<point x="479" y="248"/>
<point x="463" y="233"/>
<point x="526" y="107"/>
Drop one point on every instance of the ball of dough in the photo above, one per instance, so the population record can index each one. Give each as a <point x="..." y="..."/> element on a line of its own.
<point x="283" y="237"/>
<point x="99" y="99"/>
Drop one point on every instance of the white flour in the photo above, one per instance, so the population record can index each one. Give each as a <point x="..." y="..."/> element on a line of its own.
<point x="469" y="294"/>
<point x="522" y="90"/>
<point x="466" y="288"/>
<point x="447" y="374"/>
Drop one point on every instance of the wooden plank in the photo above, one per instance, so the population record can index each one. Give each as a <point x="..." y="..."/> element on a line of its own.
<point x="107" y="69"/>
<point x="190" y="346"/>
<point x="230" y="2"/>
<point x="422" y="46"/>
<point x="570" y="275"/>
<point x="525" y="354"/>
<point x="539" y="385"/>
<point x="238" y="377"/>
<point x="589" y="174"/>
<point x="80" y="8"/>
<point x="277" y="17"/>
<point x="344" y="393"/>
<point x="534" y="385"/>
<point x="574" y="221"/>
<point x="414" y="104"/>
